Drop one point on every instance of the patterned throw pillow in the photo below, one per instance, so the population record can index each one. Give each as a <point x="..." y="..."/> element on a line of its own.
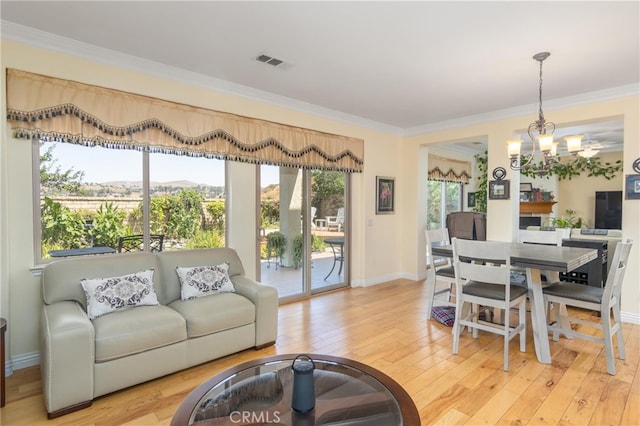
<point x="444" y="314"/>
<point x="105" y="295"/>
<point x="201" y="281"/>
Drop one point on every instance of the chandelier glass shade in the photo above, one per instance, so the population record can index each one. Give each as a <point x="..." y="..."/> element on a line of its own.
<point x="542" y="132"/>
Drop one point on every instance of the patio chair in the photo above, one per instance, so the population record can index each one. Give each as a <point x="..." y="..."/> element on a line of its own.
<point x="441" y="268"/>
<point x="135" y="243"/>
<point x="483" y="279"/>
<point x="336" y="221"/>
<point x="604" y="301"/>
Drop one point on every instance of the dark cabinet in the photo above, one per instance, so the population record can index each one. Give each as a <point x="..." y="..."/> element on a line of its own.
<point x="593" y="273"/>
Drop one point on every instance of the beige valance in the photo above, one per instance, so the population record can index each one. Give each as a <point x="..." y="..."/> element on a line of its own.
<point x="449" y="170"/>
<point x="53" y="109"/>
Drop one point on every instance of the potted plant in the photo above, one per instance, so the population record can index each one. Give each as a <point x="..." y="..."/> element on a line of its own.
<point x="568" y="222"/>
<point x="276" y="244"/>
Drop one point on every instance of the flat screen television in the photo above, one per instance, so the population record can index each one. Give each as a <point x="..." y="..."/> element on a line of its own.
<point x="608" y="210"/>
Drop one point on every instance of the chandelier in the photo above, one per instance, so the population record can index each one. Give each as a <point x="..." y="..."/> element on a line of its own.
<point x="542" y="132"/>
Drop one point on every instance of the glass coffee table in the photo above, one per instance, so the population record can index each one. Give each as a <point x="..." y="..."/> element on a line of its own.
<point x="259" y="392"/>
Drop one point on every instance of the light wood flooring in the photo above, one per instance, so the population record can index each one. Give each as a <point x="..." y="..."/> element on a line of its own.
<point x="385" y="327"/>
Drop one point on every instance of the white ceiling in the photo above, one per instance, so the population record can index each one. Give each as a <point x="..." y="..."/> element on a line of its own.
<point x="402" y="67"/>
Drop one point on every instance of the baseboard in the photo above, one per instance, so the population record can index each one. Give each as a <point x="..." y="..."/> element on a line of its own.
<point x="383" y="279"/>
<point x="29" y="360"/>
<point x="630" y="318"/>
<point x="22" y="361"/>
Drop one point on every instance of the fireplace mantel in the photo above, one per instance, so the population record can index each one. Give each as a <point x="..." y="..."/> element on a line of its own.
<point x="532" y="207"/>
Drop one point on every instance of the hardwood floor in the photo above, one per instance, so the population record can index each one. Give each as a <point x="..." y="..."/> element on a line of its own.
<point x="384" y="326"/>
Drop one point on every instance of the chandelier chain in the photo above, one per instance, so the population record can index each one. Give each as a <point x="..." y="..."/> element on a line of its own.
<point x="540" y="113"/>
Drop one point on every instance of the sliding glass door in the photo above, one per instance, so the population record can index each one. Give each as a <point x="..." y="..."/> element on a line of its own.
<point x="302" y="230"/>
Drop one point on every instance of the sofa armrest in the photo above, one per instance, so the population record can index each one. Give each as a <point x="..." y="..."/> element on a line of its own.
<point x="265" y="299"/>
<point x="67" y="353"/>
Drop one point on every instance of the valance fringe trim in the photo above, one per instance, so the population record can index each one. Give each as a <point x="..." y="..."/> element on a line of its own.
<point x="21" y="133"/>
<point x="52" y="109"/>
<point x="449" y="176"/>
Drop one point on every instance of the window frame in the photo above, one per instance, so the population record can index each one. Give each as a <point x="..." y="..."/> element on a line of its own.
<point x="146" y="201"/>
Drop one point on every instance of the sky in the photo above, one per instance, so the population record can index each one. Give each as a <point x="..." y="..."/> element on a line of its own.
<point x="104" y="165"/>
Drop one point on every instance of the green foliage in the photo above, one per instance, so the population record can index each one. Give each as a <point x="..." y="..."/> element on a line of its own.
<point x="276" y="244"/>
<point x="206" y="239"/>
<point x="61" y="226"/>
<point x="572" y="221"/>
<point x="435" y="203"/>
<point x="269" y="213"/>
<point x="175" y="216"/>
<point x="297" y="250"/>
<point x="482" y="161"/>
<point x="215" y="210"/>
<point x="108" y="225"/>
<point x="54" y="179"/>
<point x="326" y="184"/>
<point x="575" y="167"/>
<point x="317" y="243"/>
<point x="184" y="214"/>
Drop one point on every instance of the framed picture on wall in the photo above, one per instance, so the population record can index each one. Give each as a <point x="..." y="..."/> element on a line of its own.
<point x="471" y="199"/>
<point x="385" y="195"/>
<point x="632" y="187"/>
<point x="498" y="189"/>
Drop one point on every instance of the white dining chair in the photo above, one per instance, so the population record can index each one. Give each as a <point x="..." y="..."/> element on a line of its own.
<point x="603" y="301"/>
<point x="482" y="270"/>
<point x="518" y="276"/>
<point x="439" y="270"/>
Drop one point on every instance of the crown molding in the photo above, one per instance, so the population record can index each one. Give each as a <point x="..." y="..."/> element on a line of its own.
<point x="48" y="41"/>
<point x="554" y="104"/>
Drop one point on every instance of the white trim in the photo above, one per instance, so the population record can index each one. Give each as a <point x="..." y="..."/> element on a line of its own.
<point x="555" y="104"/>
<point x="21" y="361"/>
<point x="630" y="318"/>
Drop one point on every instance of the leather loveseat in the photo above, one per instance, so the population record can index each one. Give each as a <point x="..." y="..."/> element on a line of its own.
<point x="83" y="358"/>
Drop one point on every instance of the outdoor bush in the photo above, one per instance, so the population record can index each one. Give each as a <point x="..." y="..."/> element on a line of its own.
<point x="108" y="225"/>
<point x="269" y="213"/>
<point x="216" y="210"/>
<point x="184" y="214"/>
<point x="317" y="243"/>
<point x="61" y="226"/>
<point x="206" y="239"/>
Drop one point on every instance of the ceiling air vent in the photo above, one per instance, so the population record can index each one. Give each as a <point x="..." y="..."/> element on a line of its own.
<point x="269" y="60"/>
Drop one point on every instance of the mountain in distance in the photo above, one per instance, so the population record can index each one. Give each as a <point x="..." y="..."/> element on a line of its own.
<point x="138" y="184"/>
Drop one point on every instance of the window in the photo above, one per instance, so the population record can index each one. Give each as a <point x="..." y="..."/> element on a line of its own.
<point x="443" y="198"/>
<point x="90" y="197"/>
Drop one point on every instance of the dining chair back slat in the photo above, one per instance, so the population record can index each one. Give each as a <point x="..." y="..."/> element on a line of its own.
<point x="605" y="302"/>
<point x="482" y="270"/>
<point x="439" y="270"/>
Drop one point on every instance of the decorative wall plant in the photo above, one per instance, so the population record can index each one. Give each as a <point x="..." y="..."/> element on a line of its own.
<point x="481" y="191"/>
<point x="578" y="165"/>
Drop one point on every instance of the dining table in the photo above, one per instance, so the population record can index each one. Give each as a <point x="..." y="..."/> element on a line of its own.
<point x="535" y="259"/>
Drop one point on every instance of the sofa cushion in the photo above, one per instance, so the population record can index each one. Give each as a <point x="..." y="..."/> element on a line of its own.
<point x="136" y="330"/>
<point x="212" y="314"/>
<point x="198" y="281"/>
<point x="170" y="260"/>
<point x="106" y="295"/>
<point x="61" y="278"/>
